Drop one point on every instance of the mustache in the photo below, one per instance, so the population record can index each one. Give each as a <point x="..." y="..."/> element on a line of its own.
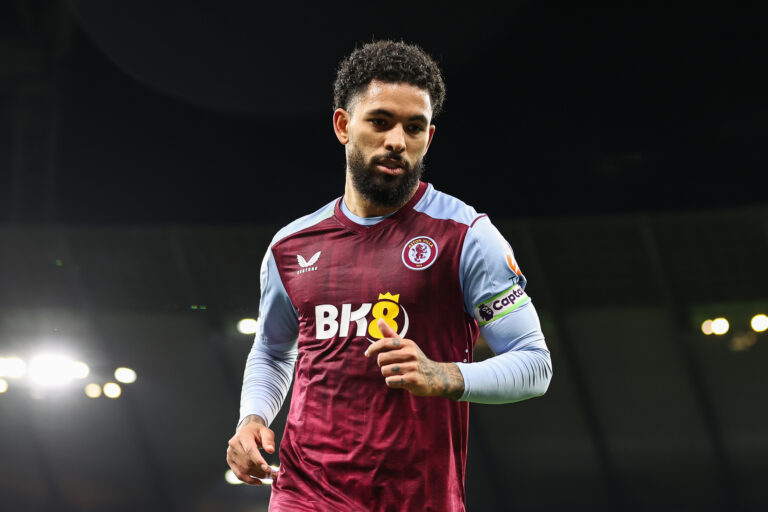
<point x="395" y="157"/>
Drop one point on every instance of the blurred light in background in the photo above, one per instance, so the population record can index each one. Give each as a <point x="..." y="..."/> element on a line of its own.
<point x="231" y="478"/>
<point x="93" y="390"/>
<point x="55" y="370"/>
<point x="112" y="390"/>
<point x="125" y="375"/>
<point x="759" y="323"/>
<point x="742" y="342"/>
<point x="720" y="326"/>
<point x="248" y="326"/>
<point x="12" y="367"/>
<point x="706" y="327"/>
<point x="80" y="370"/>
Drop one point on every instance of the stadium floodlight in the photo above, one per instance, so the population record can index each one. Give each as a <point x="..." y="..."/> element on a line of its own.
<point x="92" y="390"/>
<point x="3" y="386"/>
<point x="112" y="390"/>
<point x="759" y="323"/>
<point x="125" y="375"/>
<point x="706" y="327"/>
<point x="231" y="478"/>
<point x="51" y="370"/>
<point x="720" y="326"/>
<point x="79" y="370"/>
<point x="248" y="326"/>
<point x="12" y="367"/>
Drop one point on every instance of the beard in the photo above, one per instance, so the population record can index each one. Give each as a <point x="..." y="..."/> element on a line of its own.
<point x="383" y="189"/>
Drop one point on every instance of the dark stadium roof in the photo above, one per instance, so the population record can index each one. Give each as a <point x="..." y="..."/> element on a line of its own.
<point x="221" y="114"/>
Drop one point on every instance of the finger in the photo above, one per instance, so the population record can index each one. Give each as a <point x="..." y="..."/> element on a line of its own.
<point x="236" y="452"/>
<point x="397" y="381"/>
<point x="392" y="369"/>
<point x="375" y="347"/>
<point x="251" y="450"/>
<point x="238" y="469"/>
<point x="386" y="329"/>
<point x="268" y="440"/>
<point x="394" y="357"/>
<point x="385" y="345"/>
<point x="260" y="467"/>
<point x="242" y="473"/>
<point x="241" y="463"/>
<point x="248" y="479"/>
<point x="389" y="341"/>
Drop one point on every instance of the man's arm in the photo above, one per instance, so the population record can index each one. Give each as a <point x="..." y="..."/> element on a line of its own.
<point x="267" y="378"/>
<point x="521" y="368"/>
<point x="268" y="374"/>
<point x="494" y="294"/>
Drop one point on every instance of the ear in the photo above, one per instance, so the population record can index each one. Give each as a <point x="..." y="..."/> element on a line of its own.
<point x="430" y="135"/>
<point x="341" y="125"/>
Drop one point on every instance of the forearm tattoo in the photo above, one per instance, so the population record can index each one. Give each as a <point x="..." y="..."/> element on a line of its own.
<point x="250" y="419"/>
<point x="445" y="378"/>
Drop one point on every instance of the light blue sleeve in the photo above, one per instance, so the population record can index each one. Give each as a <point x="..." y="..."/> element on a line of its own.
<point x="270" y="364"/>
<point x="494" y="294"/>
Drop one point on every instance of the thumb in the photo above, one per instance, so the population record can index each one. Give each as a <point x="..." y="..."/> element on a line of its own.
<point x="386" y="329"/>
<point x="268" y="440"/>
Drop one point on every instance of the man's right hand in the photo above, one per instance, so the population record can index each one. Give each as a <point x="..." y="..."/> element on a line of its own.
<point x="243" y="454"/>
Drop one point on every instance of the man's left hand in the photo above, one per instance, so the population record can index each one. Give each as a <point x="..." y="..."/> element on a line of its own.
<point x="405" y="366"/>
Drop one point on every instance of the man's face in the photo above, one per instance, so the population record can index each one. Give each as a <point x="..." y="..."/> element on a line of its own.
<point x="389" y="132"/>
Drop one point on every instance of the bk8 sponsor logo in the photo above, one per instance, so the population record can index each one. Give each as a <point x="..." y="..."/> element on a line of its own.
<point x="362" y="321"/>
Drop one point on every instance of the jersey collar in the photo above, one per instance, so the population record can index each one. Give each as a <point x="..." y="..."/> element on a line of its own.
<point x="402" y="213"/>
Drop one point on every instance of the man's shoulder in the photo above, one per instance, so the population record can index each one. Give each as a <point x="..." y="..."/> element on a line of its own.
<point x="442" y="206"/>
<point x="305" y="222"/>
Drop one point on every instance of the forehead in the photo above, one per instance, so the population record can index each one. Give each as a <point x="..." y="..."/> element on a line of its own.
<point x="400" y="99"/>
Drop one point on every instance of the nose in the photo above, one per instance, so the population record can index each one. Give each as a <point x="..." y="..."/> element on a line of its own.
<point x="395" y="141"/>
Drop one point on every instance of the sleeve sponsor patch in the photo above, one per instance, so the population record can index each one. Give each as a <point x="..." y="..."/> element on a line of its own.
<point x="500" y="305"/>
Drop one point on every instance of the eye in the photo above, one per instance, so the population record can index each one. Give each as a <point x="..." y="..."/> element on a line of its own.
<point x="378" y="122"/>
<point x="415" y="128"/>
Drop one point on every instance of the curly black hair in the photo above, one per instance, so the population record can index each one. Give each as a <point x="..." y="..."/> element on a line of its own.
<point x="388" y="61"/>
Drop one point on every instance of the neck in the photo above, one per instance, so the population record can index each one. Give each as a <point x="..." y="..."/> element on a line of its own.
<point x="361" y="207"/>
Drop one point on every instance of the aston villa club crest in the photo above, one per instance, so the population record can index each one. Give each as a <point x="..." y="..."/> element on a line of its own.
<point x="419" y="253"/>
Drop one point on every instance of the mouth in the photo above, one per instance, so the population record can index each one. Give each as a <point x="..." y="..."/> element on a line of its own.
<point x="392" y="171"/>
<point x="391" y="167"/>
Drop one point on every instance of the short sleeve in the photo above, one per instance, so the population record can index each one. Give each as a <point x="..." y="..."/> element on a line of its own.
<point x="278" y="319"/>
<point x="492" y="282"/>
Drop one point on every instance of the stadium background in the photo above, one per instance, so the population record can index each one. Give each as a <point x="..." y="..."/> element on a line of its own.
<point x="148" y="153"/>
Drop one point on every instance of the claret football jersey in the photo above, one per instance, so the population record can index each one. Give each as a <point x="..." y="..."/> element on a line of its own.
<point x="350" y="442"/>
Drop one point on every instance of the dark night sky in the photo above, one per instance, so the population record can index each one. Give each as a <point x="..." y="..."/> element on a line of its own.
<point x="191" y="116"/>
